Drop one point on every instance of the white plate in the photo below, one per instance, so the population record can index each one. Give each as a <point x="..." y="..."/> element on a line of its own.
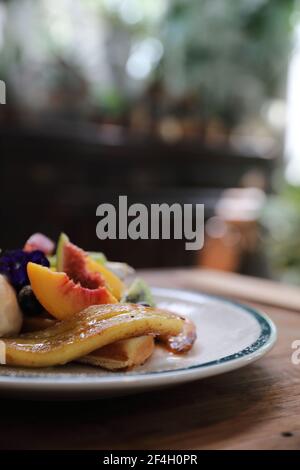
<point x="229" y="336"/>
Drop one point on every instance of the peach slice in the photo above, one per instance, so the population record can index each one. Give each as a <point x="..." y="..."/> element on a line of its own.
<point x="60" y="296"/>
<point x="114" y="284"/>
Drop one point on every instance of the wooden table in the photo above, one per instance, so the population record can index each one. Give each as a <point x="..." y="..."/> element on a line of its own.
<point x="257" y="407"/>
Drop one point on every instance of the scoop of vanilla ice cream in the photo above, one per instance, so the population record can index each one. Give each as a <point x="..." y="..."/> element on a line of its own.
<point x="10" y="313"/>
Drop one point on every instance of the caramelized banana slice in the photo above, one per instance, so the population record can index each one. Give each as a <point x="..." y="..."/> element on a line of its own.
<point x="183" y="342"/>
<point x="88" y="330"/>
<point x="120" y="355"/>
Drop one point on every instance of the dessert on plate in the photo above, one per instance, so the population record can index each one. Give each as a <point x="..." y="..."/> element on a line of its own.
<point x="62" y="304"/>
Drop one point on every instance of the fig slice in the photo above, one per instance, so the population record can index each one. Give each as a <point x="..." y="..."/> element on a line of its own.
<point x="88" y="330"/>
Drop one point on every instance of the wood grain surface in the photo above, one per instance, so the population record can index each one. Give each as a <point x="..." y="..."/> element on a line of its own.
<point x="257" y="407"/>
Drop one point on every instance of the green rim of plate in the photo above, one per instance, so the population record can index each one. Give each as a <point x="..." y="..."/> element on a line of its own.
<point x="267" y="329"/>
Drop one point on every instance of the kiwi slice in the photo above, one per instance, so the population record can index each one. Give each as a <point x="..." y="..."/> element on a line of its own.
<point x="138" y="292"/>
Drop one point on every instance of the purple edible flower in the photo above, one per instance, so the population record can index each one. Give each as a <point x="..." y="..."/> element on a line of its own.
<point x="13" y="264"/>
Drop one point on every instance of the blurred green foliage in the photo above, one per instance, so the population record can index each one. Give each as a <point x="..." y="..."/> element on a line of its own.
<point x="100" y="55"/>
<point x="281" y="218"/>
<point x="233" y="55"/>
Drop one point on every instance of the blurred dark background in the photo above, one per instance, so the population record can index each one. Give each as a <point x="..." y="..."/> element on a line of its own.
<point x="168" y="101"/>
